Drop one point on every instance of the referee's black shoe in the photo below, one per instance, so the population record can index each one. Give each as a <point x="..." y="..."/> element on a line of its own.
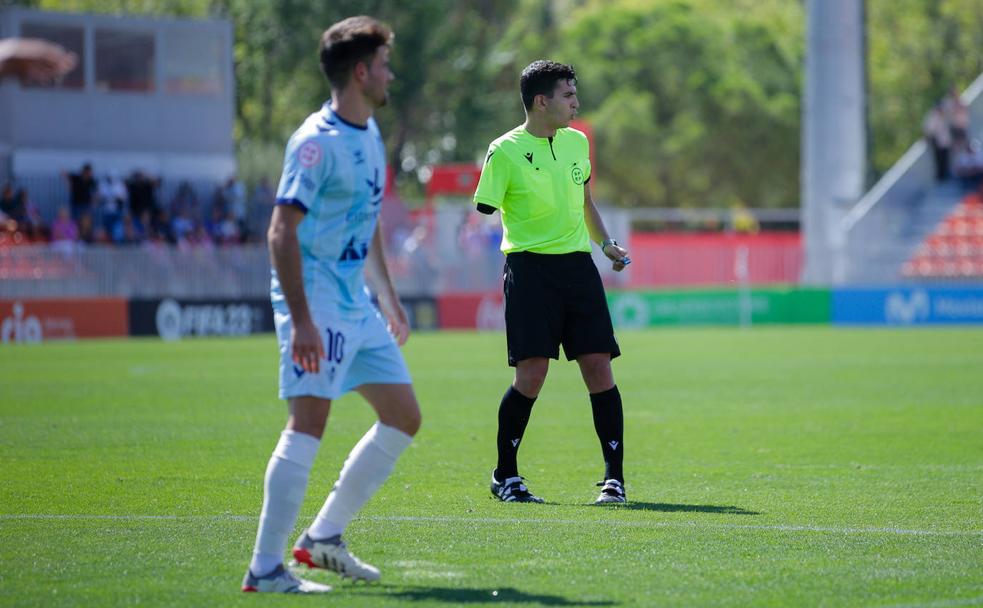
<point x="512" y="490"/>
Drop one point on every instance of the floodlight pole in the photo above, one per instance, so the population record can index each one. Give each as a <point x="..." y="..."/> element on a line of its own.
<point x="834" y="133"/>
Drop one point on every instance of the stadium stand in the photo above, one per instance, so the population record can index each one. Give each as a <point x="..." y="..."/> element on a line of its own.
<point x="954" y="249"/>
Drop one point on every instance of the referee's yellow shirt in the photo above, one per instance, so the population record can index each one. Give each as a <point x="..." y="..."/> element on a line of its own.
<point x="538" y="185"/>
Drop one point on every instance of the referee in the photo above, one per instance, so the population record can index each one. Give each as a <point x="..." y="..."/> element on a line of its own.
<point x="536" y="175"/>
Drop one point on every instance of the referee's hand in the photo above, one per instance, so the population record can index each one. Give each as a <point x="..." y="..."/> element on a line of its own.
<point x="618" y="255"/>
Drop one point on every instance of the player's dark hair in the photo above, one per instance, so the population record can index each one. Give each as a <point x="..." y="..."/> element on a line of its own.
<point x="540" y="78"/>
<point x="349" y="42"/>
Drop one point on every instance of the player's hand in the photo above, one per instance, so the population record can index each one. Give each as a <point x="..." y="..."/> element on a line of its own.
<point x="35" y="60"/>
<point x="618" y="255"/>
<point x="306" y="346"/>
<point x="399" y="324"/>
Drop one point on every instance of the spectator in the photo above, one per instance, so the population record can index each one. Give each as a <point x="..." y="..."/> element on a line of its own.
<point x="64" y="232"/>
<point x="229" y="233"/>
<point x="31" y="220"/>
<point x="86" y="229"/>
<point x="939" y="136"/>
<point x="63" y="228"/>
<point x="234" y="194"/>
<point x="742" y="221"/>
<point x="143" y="193"/>
<point x="113" y="199"/>
<point x="261" y="206"/>
<point x="218" y="200"/>
<point x="957" y="117"/>
<point x="263" y="195"/>
<point x="967" y="163"/>
<point x="182" y="225"/>
<point x="214" y="224"/>
<point x="82" y="187"/>
<point x="7" y="200"/>
<point x="128" y="231"/>
<point x="161" y="226"/>
<point x="184" y="198"/>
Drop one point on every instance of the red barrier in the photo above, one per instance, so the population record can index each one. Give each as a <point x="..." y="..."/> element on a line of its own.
<point x="668" y="259"/>
<point x="37" y="320"/>
<point x="471" y="311"/>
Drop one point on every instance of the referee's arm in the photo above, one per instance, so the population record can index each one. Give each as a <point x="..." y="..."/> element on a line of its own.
<point x="599" y="234"/>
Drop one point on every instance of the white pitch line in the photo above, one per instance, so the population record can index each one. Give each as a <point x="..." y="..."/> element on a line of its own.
<point x="972" y="601"/>
<point x="450" y="519"/>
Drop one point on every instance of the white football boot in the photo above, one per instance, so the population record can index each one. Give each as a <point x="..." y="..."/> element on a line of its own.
<point x="332" y="554"/>
<point x="280" y="580"/>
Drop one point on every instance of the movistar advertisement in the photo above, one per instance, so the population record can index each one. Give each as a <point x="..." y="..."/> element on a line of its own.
<point x="637" y="309"/>
<point x="904" y="306"/>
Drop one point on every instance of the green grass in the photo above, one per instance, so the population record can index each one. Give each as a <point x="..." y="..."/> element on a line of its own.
<point x="783" y="466"/>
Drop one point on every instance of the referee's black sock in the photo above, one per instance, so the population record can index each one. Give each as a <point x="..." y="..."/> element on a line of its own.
<point x="513" y="416"/>
<point x="609" y="422"/>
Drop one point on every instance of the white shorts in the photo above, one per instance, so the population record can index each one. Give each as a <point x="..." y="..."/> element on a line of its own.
<point x="357" y="353"/>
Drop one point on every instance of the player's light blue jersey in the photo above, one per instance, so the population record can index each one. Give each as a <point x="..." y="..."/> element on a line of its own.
<point x="336" y="173"/>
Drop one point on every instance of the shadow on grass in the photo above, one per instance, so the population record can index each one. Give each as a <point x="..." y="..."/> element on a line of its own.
<point x="670" y="508"/>
<point x="452" y="595"/>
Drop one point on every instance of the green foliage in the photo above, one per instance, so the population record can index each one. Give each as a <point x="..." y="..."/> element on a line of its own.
<point x="813" y="466"/>
<point x="675" y="90"/>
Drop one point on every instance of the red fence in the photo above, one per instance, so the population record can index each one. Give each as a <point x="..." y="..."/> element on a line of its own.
<point x="671" y="259"/>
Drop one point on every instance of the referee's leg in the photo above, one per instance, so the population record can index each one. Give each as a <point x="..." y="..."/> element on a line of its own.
<point x="605" y="400"/>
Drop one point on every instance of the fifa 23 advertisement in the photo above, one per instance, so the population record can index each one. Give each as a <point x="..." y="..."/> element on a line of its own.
<point x="173" y="319"/>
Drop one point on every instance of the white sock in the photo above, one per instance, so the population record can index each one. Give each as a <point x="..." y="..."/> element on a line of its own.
<point x="283" y="493"/>
<point x="366" y="468"/>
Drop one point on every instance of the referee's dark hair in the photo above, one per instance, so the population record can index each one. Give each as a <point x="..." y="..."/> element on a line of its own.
<point x="540" y="78"/>
<point x="348" y="42"/>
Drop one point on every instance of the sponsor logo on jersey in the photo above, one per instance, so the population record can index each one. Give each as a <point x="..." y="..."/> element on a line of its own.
<point x="309" y="154"/>
<point x="354" y="252"/>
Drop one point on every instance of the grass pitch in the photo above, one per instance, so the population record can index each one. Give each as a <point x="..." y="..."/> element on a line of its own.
<point x="780" y="466"/>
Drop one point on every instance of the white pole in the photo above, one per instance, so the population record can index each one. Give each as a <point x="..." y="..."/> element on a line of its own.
<point x="744" y="286"/>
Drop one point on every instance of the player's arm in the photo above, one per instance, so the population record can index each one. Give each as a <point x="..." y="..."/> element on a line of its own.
<point x="305" y="339"/>
<point x="599" y="234"/>
<point x="377" y="275"/>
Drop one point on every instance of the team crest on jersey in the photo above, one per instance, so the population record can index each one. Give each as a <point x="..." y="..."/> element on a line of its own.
<point x="577" y="174"/>
<point x="309" y="154"/>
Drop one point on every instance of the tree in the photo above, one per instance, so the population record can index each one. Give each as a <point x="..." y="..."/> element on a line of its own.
<point x="692" y="107"/>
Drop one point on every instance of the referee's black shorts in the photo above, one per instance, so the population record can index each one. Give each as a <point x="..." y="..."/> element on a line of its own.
<point x="554" y="299"/>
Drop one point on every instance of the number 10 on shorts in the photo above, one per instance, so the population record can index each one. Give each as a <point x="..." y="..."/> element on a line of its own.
<point x="335" y="345"/>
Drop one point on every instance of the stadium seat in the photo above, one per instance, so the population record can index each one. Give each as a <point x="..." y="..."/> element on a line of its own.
<point x="954" y="249"/>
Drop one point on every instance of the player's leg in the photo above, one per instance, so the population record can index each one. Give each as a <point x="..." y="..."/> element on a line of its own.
<point x="367" y="467"/>
<point x="378" y="372"/>
<point x="284" y="486"/>
<point x="373" y="458"/>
